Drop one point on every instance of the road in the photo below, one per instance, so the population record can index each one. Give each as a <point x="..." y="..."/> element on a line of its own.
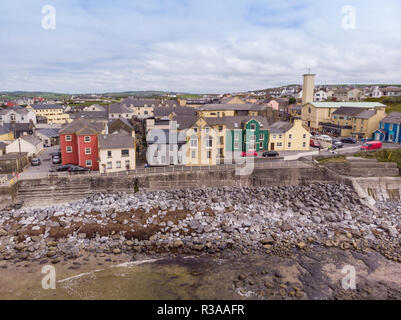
<point x="46" y="162"/>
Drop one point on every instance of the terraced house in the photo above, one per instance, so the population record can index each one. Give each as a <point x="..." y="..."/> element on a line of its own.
<point x="54" y="113"/>
<point x="389" y="129"/>
<point x="359" y="123"/>
<point x="287" y="136"/>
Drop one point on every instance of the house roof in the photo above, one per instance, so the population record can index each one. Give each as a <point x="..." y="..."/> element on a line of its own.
<point x="166" y="111"/>
<point x="237" y="107"/>
<point x="355" y="112"/>
<point x="82" y="126"/>
<point x="236" y="122"/>
<point x="16" y="110"/>
<point x="116" y="141"/>
<point x="393" y="117"/>
<point x="119" y="108"/>
<point x="90" y="115"/>
<point x="125" y="121"/>
<point x="46" y="106"/>
<point x="140" y="102"/>
<point x="162" y="136"/>
<point x="331" y="104"/>
<point x="51" y="133"/>
<point x="31" y="139"/>
<point x="280" y="127"/>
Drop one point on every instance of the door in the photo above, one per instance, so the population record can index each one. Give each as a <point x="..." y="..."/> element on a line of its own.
<point x="272" y="146"/>
<point x="308" y="124"/>
<point x="377" y="137"/>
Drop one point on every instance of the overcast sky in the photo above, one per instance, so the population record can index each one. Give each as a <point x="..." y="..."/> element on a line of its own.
<point x="197" y="46"/>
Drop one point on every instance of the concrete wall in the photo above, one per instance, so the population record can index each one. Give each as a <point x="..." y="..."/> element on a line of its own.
<point x="56" y="190"/>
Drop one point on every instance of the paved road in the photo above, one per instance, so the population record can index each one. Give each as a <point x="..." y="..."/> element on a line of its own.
<point x="46" y="162"/>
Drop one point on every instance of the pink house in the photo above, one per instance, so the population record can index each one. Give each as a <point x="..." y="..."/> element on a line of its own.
<point x="274" y="104"/>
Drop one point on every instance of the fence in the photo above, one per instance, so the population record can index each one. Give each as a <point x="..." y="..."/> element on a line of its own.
<point x="169" y="169"/>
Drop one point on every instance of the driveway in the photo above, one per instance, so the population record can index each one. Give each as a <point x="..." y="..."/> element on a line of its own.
<point x="46" y="162"/>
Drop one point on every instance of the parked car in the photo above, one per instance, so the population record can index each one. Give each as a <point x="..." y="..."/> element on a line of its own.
<point x="349" y="140"/>
<point x="35" y="162"/>
<point x="64" y="167"/>
<point x="56" y="154"/>
<point x="270" y="154"/>
<point x="76" y="169"/>
<point x="249" y="154"/>
<point x="325" y="138"/>
<point x="314" y="143"/>
<point x="337" y="143"/>
<point x="372" y="145"/>
<point x="56" y="160"/>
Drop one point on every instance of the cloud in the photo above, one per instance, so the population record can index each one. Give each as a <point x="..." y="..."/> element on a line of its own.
<point x="195" y="46"/>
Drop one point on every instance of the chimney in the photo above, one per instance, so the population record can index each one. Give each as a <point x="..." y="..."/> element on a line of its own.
<point x="308" y="88"/>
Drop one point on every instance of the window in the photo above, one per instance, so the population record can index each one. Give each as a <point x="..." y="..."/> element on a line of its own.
<point x="88" y="151"/>
<point x="193" y="154"/>
<point x="274" y="136"/>
<point x="12" y="117"/>
<point x="118" y="164"/>
<point x="304" y="136"/>
<point x="236" y="145"/>
<point x="290" y="136"/>
<point x="209" y="154"/>
<point x="304" y="144"/>
<point x="207" y="129"/>
<point x="209" y="142"/>
<point x="253" y="126"/>
<point x="109" y="154"/>
<point x="279" y="144"/>
<point x="236" y="136"/>
<point x="68" y="138"/>
<point x="87" y="139"/>
<point x="194" y="142"/>
<point x="220" y="128"/>
<point x="127" y="164"/>
<point x="261" y="145"/>
<point x="109" y="165"/>
<point x="261" y="137"/>
<point x="68" y="149"/>
<point x="289" y="144"/>
<point x="195" y="129"/>
<point x="125" y="153"/>
<point x="221" y="140"/>
<point x="391" y="127"/>
<point x="88" y="163"/>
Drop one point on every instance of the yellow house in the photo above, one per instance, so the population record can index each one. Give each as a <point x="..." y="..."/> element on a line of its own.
<point x="287" y="136"/>
<point x="203" y="144"/>
<point x="53" y="112"/>
<point x="360" y="123"/>
<point x="6" y="135"/>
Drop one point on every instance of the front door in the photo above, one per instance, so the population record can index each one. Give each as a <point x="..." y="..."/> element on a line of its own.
<point x="272" y="146"/>
<point x="377" y="137"/>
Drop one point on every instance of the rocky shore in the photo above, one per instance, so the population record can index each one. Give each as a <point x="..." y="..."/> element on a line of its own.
<point x="241" y="219"/>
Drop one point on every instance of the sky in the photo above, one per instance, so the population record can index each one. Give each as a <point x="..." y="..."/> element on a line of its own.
<point x="209" y="46"/>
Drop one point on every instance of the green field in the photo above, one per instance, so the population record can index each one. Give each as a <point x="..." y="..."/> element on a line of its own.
<point x="393" y="103"/>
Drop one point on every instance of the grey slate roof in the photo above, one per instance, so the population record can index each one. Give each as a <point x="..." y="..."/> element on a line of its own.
<point x="237" y="122"/>
<point x="162" y="136"/>
<point x="82" y="126"/>
<point x="237" y="107"/>
<point x="165" y="111"/>
<point x="354" y="112"/>
<point x="46" y="106"/>
<point x="119" y="108"/>
<point x="90" y="115"/>
<point x="280" y="127"/>
<point x="51" y="133"/>
<point x="16" y="110"/>
<point x="393" y="117"/>
<point x="116" y="141"/>
<point x="31" y="139"/>
<point x="140" y="102"/>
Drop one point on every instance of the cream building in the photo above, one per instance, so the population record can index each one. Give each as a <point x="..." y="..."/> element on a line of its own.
<point x="314" y="114"/>
<point x="116" y="152"/>
<point x="52" y="112"/>
<point x="203" y="147"/>
<point x="287" y="136"/>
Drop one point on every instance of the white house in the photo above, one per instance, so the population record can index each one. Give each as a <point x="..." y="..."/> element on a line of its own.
<point x="320" y="95"/>
<point x="30" y="144"/>
<point x="118" y="110"/>
<point x="17" y="115"/>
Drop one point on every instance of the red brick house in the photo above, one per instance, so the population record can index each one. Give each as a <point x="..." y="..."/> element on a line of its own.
<point x="79" y="143"/>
